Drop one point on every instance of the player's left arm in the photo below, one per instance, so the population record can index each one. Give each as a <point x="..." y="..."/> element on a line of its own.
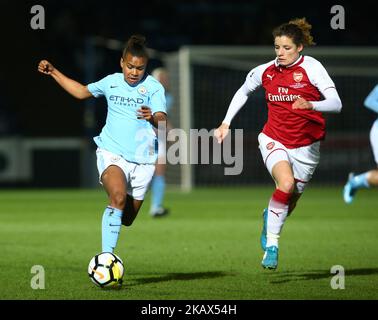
<point x="154" y="118"/>
<point x="320" y="78"/>
<point x="156" y="114"/>
<point x="330" y="103"/>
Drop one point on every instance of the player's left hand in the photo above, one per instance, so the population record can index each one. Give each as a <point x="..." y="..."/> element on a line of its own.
<point x="301" y="103"/>
<point x="144" y="113"/>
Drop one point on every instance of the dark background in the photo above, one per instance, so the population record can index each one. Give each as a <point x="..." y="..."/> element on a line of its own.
<point x="35" y="106"/>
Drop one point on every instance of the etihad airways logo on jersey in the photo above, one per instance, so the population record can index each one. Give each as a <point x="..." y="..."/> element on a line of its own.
<point x="283" y="95"/>
<point x="126" y="100"/>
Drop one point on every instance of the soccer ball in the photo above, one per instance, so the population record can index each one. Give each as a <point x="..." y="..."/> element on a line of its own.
<point x="106" y="270"/>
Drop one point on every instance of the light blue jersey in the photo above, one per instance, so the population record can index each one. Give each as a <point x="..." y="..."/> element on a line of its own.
<point x="123" y="134"/>
<point x="169" y="100"/>
<point x="371" y="101"/>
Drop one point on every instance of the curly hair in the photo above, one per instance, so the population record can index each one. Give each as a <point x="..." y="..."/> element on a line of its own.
<point x="298" y="30"/>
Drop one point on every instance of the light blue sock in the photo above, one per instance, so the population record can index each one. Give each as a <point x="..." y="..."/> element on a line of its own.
<point x="158" y="190"/>
<point x="360" y="181"/>
<point x="111" y="226"/>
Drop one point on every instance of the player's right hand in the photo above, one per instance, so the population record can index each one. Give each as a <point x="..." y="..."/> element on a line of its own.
<point x="221" y="132"/>
<point x="45" y="67"/>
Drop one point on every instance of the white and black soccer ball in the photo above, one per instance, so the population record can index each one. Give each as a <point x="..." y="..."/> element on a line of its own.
<point x="106" y="270"/>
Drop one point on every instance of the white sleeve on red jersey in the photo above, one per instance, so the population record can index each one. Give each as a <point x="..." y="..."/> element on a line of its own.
<point x="320" y="78"/>
<point x="254" y="77"/>
<point x="237" y="102"/>
<point x="317" y="74"/>
<point x="331" y="102"/>
<point x="252" y="82"/>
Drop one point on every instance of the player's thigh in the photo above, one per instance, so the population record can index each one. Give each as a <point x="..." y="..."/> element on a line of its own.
<point x="111" y="169"/>
<point x="282" y="173"/>
<point x="139" y="180"/>
<point x="276" y="159"/>
<point x="304" y="161"/>
<point x="114" y="181"/>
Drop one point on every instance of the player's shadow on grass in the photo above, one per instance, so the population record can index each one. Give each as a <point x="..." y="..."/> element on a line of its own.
<point x="318" y="274"/>
<point x="180" y="276"/>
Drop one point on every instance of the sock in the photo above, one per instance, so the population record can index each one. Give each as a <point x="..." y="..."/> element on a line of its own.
<point x="360" y="181"/>
<point x="158" y="190"/>
<point x="277" y="213"/>
<point x="111" y="226"/>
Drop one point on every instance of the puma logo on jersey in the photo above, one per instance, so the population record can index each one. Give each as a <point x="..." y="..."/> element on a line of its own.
<point x="276" y="213"/>
<point x="270" y="76"/>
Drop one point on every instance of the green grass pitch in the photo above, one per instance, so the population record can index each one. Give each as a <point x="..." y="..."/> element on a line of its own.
<point x="208" y="248"/>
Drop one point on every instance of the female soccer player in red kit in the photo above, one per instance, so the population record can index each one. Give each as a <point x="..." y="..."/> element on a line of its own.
<point x="298" y="90"/>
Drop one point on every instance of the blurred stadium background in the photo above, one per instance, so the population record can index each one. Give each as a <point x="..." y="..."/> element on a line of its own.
<point x="208" y="48"/>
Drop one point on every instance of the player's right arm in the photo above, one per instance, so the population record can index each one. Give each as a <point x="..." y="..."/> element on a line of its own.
<point x="73" y="87"/>
<point x="252" y="82"/>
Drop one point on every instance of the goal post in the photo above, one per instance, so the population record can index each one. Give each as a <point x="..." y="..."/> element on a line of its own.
<point x="185" y="103"/>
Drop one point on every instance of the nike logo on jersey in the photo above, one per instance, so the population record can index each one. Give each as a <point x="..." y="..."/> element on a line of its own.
<point x="112" y="87"/>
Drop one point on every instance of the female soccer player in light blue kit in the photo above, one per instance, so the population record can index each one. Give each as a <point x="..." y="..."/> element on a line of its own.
<point x="369" y="178"/>
<point x="127" y="144"/>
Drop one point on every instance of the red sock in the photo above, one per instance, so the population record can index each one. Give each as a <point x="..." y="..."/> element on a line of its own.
<point x="281" y="196"/>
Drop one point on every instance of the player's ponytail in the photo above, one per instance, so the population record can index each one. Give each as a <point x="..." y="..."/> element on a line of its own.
<point x="298" y="30"/>
<point x="136" y="46"/>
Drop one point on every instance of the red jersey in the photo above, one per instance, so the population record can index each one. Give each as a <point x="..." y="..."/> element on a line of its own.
<point x="307" y="79"/>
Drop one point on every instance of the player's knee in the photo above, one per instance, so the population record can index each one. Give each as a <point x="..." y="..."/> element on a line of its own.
<point x="118" y="199"/>
<point x="286" y="185"/>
